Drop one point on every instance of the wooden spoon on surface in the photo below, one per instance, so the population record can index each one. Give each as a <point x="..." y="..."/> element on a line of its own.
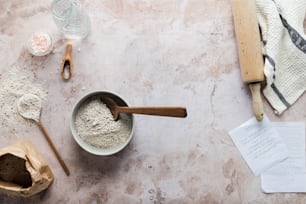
<point x="29" y="107"/>
<point x="170" y="111"/>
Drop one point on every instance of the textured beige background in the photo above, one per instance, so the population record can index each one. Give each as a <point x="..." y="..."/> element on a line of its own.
<point x="167" y="52"/>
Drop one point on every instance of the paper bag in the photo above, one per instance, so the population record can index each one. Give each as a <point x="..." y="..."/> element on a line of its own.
<point x="23" y="172"/>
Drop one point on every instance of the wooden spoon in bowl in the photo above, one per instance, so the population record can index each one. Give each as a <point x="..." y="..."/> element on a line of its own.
<point x="170" y="111"/>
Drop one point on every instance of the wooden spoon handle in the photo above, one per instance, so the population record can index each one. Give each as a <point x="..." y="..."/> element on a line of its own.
<point x="68" y="50"/>
<point x="58" y="156"/>
<point x="160" y="111"/>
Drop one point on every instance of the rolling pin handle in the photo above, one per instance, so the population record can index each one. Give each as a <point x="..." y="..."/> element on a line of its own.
<point x="257" y="101"/>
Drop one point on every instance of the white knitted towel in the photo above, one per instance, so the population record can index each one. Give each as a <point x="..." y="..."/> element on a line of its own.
<point x="284" y="49"/>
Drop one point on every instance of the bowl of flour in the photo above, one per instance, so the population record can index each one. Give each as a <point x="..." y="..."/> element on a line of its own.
<point x="94" y="128"/>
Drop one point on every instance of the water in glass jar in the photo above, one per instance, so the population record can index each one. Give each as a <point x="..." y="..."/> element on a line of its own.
<point x="71" y="18"/>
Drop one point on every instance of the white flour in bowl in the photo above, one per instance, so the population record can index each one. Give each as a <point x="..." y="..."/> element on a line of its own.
<point x="96" y="126"/>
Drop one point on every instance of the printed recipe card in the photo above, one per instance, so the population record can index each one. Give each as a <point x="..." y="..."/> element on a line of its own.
<point x="290" y="174"/>
<point x="259" y="144"/>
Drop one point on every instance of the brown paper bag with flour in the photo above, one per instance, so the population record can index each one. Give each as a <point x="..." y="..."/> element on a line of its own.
<point x="23" y="172"/>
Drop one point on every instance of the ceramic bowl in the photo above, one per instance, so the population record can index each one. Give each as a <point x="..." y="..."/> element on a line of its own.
<point x="86" y="146"/>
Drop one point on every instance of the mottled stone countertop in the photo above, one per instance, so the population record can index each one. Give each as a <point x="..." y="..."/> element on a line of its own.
<point x="167" y="52"/>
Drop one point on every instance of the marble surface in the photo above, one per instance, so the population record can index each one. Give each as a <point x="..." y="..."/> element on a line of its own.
<point x="170" y="52"/>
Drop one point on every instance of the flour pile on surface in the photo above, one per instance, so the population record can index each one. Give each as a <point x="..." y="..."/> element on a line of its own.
<point x="14" y="84"/>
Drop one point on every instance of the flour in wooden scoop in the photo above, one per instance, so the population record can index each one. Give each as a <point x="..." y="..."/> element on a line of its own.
<point x="96" y="126"/>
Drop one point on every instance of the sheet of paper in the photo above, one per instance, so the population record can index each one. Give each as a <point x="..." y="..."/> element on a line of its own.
<point x="259" y="144"/>
<point x="289" y="175"/>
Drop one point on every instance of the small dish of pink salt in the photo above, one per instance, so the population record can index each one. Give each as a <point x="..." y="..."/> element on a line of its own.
<point x="40" y="43"/>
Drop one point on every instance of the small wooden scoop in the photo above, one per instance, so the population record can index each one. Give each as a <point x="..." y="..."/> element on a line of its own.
<point x="67" y="63"/>
<point x="160" y="111"/>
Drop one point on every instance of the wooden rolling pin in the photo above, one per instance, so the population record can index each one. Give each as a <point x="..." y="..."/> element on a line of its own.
<point x="249" y="49"/>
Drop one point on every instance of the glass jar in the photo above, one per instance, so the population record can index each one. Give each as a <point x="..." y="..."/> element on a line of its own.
<point x="40" y="43"/>
<point x="71" y="18"/>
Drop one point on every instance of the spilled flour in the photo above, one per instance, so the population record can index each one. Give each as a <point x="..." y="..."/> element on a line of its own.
<point x="96" y="126"/>
<point x="15" y="84"/>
